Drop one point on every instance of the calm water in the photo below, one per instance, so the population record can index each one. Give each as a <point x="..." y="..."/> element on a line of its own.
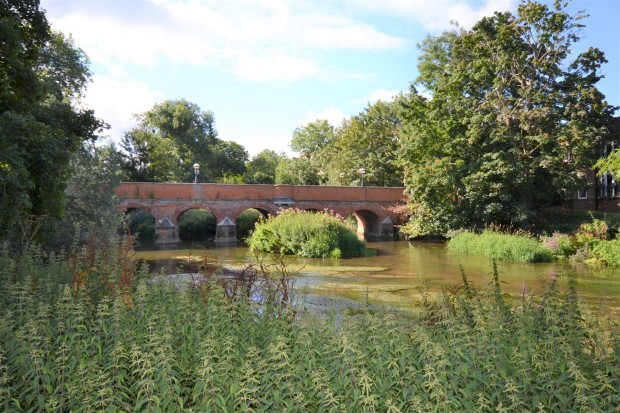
<point x="401" y="270"/>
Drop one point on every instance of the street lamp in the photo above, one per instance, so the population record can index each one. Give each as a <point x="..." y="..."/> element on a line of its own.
<point x="362" y="171"/>
<point x="341" y="175"/>
<point x="196" y="172"/>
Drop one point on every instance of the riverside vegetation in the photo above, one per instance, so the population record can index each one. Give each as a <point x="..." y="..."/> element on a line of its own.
<point x="89" y="331"/>
<point x="593" y="242"/>
<point x="307" y="234"/>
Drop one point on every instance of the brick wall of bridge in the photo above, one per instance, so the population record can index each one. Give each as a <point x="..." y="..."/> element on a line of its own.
<point x="370" y="205"/>
<point x="148" y="190"/>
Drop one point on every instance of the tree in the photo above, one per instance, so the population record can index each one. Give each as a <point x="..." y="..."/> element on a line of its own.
<point x="370" y="141"/>
<point x="297" y="171"/>
<point x="510" y="123"/>
<point x="230" y="159"/>
<point x="310" y="139"/>
<point x="41" y="124"/>
<point x="262" y="168"/>
<point x="90" y="211"/>
<point x="171" y="137"/>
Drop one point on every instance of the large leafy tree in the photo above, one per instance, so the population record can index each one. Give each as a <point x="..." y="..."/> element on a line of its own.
<point x="512" y="118"/>
<point x="171" y="137"/>
<point x="370" y="141"/>
<point x="261" y="169"/>
<point x="42" y="75"/>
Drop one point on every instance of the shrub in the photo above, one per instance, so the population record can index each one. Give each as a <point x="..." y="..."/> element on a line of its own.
<point x="246" y="221"/>
<point x="141" y="225"/>
<point x="306" y="234"/>
<point x="196" y="224"/>
<point x="563" y="246"/>
<point x="501" y="246"/>
<point x="606" y="252"/>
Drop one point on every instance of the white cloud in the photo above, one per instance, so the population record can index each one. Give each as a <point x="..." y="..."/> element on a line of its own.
<point x="116" y="101"/>
<point x="259" y="41"/>
<point x="378" y="95"/>
<point x="436" y="15"/>
<point x="333" y="115"/>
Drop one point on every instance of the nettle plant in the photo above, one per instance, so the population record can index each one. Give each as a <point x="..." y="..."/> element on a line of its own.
<point x="245" y="343"/>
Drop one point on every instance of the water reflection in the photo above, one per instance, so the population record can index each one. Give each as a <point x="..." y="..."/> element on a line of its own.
<point x="400" y="270"/>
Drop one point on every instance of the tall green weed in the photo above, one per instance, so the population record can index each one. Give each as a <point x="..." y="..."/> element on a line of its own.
<point x="215" y="346"/>
<point x="501" y="246"/>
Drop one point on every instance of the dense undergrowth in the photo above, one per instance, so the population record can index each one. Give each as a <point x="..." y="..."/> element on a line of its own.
<point x="306" y="234"/>
<point x="75" y="335"/>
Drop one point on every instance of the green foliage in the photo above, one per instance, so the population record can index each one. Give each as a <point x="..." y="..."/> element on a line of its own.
<point x="262" y="168"/>
<point x="312" y="138"/>
<point x="211" y="348"/>
<point x="501" y="246"/>
<point x="370" y="141"/>
<point x="246" y="221"/>
<point x="569" y="222"/>
<point x="334" y="156"/>
<point x="196" y="224"/>
<point x="170" y="138"/>
<point x="306" y="234"/>
<point x="512" y="118"/>
<point x="141" y="225"/>
<point x="297" y="171"/>
<point x="90" y="211"/>
<point x="589" y="244"/>
<point x="42" y="74"/>
<point x="606" y="253"/>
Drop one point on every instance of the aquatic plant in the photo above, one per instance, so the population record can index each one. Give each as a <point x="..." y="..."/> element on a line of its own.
<point x="501" y="246"/>
<point x="306" y="234"/>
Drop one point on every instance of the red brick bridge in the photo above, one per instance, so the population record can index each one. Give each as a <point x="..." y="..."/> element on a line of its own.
<point x="371" y="206"/>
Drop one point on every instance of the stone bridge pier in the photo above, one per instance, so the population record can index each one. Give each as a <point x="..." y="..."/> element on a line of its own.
<point x="372" y="207"/>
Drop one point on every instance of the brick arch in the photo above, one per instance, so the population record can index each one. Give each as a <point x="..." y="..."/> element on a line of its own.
<point x="263" y="209"/>
<point x="133" y="206"/>
<point x="184" y="208"/>
<point x="368" y="223"/>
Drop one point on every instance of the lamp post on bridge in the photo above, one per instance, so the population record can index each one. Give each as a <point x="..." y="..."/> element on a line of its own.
<point x="196" y="172"/>
<point x="362" y="172"/>
<point x="341" y="175"/>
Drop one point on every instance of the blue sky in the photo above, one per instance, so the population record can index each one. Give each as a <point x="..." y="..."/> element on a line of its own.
<point x="266" y="67"/>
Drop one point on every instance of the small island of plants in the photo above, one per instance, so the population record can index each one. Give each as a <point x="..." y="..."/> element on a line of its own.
<point x="307" y="234"/>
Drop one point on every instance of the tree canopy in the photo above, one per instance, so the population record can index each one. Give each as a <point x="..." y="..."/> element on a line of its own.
<point x="512" y="118"/>
<point x="42" y="124"/>
<point x="171" y="137"/>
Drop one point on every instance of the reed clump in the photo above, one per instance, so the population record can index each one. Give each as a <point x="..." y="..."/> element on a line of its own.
<point x="245" y="344"/>
<point x="501" y="246"/>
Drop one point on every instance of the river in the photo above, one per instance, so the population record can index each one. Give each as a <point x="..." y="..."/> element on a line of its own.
<point x="401" y="270"/>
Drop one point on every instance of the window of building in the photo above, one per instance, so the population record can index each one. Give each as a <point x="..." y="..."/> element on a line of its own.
<point x="582" y="194"/>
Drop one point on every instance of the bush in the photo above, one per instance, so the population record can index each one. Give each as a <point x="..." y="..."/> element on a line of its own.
<point x="141" y="225"/>
<point x="306" y="234"/>
<point x="246" y="221"/>
<point x="606" y="252"/>
<point x="196" y="224"/>
<point x="501" y="246"/>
